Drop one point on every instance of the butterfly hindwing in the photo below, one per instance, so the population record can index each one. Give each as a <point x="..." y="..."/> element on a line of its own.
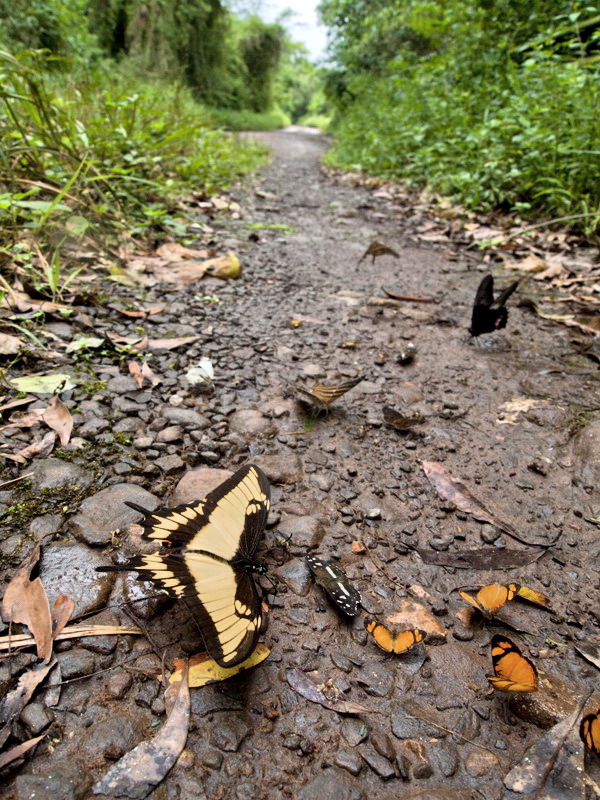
<point x="394" y="641"/>
<point x="513" y="672"/>
<point x="335" y="582"/>
<point x="589" y="731"/>
<point x="489" y="315"/>
<point x="491" y="598"/>
<point x="323" y="395"/>
<point x="207" y="560"/>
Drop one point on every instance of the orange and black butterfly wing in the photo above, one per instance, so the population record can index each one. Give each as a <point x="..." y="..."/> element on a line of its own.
<point x="491" y="598"/>
<point x="589" y="730"/>
<point x="394" y="642"/>
<point x="513" y="672"/>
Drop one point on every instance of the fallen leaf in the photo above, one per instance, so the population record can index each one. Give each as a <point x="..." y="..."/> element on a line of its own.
<point x="154" y="344"/>
<point x="172" y="251"/>
<point x="510" y="410"/>
<point x="58" y="417"/>
<point x="143" y="375"/>
<point x="73" y="632"/>
<point x="139" y="771"/>
<point x="406" y="298"/>
<point x="537" y="598"/>
<point x="553" y="767"/>
<point x="43" y="384"/>
<point x="18" y="750"/>
<point x="9" y="345"/>
<point x="203" y="670"/>
<point x="589" y="324"/>
<point x="303" y="686"/>
<point x="530" y="263"/>
<point x="84" y="343"/>
<point x="15" y="700"/>
<point x="136" y="372"/>
<point x="453" y="490"/>
<point x="23" y="401"/>
<point x="62" y="611"/>
<point x="590" y="651"/>
<point x="483" y="558"/>
<point x="25" y="602"/>
<point x="24" y="303"/>
<point x="43" y="447"/>
<point x="225" y="267"/>
<point x="142" y="314"/>
<point x="358" y="547"/>
<point x="24" y="419"/>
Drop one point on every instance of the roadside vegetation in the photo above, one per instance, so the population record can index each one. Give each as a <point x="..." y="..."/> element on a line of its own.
<point x="492" y="103"/>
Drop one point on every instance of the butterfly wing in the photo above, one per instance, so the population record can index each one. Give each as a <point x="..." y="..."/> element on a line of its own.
<point x="325" y="395"/>
<point x="491" y="598"/>
<point x="513" y="672"/>
<point x="589" y="730"/>
<point x="398" y="420"/>
<point x="335" y="582"/>
<point x="210" y="545"/>
<point x="394" y="642"/>
<point x="506" y="293"/>
<point x="470" y="599"/>
<point x="482" y="319"/>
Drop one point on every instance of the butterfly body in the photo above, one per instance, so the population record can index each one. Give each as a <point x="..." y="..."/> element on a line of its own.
<point x="207" y="560"/>
<point x="376" y="249"/>
<point x="334" y="580"/>
<point x="490" y="315"/>
<point x="396" y="642"/>
<point x="513" y="672"/>
<point x="491" y="598"/>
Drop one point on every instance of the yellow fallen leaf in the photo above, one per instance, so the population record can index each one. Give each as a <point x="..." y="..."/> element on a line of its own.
<point x="537" y="598"/>
<point x="203" y="670"/>
<point x="295" y="323"/>
<point x="225" y="267"/>
<point x="509" y="411"/>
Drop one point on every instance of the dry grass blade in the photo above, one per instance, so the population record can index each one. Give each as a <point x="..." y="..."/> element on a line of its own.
<point x="25" y="602"/>
<point x="144" y="767"/>
<point x="74" y="632"/>
<point x="19" y="750"/>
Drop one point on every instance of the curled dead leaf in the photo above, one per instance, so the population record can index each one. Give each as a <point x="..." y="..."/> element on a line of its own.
<point x="203" y="670"/>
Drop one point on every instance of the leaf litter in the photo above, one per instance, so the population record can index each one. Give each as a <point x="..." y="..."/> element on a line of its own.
<point x="202" y="670"/>
<point x="15" y="700"/>
<point x="303" y="686"/>
<point x="137" y="773"/>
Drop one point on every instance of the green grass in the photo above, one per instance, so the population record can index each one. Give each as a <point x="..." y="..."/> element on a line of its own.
<point x="245" y="120"/>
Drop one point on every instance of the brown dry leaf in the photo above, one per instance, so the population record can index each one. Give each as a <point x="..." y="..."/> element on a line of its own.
<point x="41" y="448"/>
<point x="24" y="419"/>
<point x="23" y="401"/>
<point x="590" y="651"/>
<point x="143" y="375"/>
<point x="25" y="602"/>
<point x="180" y="274"/>
<point x="144" y="767"/>
<point x="172" y="251"/>
<point x="203" y="670"/>
<point x="225" y="267"/>
<point x="303" y="686"/>
<point x="136" y="372"/>
<point x="484" y="558"/>
<point x="530" y="263"/>
<point x="73" y="632"/>
<point x="589" y="324"/>
<point x="553" y="767"/>
<point x="22" y="302"/>
<point x="62" y="611"/>
<point x="143" y="314"/>
<point x="155" y="345"/>
<point x="15" y="701"/>
<point x="58" y="417"/>
<point x="9" y="345"/>
<point x="537" y="598"/>
<point x="18" y="750"/>
<point x="455" y="491"/>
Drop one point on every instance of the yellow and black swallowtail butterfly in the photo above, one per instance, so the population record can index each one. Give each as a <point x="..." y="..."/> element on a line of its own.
<point x="207" y="560"/>
<point x="491" y="598"/>
<point x="512" y="671"/>
<point x="394" y="641"/>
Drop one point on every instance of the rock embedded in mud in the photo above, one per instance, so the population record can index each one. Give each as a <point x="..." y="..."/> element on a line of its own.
<point x="65" y="781"/>
<point x="303" y="532"/>
<point x="250" y="423"/>
<point x="75" y="663"/>
<point x="229" y="733"/>
<point x="36" y="717"/>
<point x="111" y="738"/>
<point x="481" y="762"/>
<point x="89" y="589"/>
<point x="52" y="473"/>
<point x="332" y="784"/>
<point x="445" y="758"/>
<point x="104" y="512"/>
<point x="351" y="762"/>
<point x="285" y="469"/>
<point x="296" y="576"/>
<point x="586" y="456"/>
<point x="378" y="763"/>
<point x="197" y="483"/>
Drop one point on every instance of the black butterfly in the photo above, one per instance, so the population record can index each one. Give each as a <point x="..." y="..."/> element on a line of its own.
<point x="335" y="582"/>
<point x="400" y="421"/>
<point x="207" y="559"/>
<point x="490" y="315"/>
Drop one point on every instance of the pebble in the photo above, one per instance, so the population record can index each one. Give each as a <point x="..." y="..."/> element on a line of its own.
<point x="332" y="784"/>
<point x="118" y="683"/>
<point x="354" y="731"/>
<point x="35" y="717"/>
<point x="445" y="758"/>
<point x="104" y="512"/>
<point x="380" y="765"/>
<point x="489" y="533"/>
<point x="349" y="761"/>
<point x="304" y="532"/>
<point x="212" y="759"/>
<point x="110" y="738"/>
<point x="76" y="662"/>
<point x="170" y="464"/>
<point x="376" y="679"/>
<point x="405" y="727"/>
<point x="197" y="483"/>
<point x="229" y="733"/>
<point x="52" y="473"/>
<point x="285" y="469"/>
<point x="186" y="417"/>
<point x="481" y="762"/>
<point x="89" y="589"/>
<point x="173" y="433"/>
<point x="296" y="576"/>
<point x="251" y="423"/>
<point x="64" y="781"/>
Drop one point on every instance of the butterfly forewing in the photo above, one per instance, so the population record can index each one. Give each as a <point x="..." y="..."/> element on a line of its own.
<point x="589" y="731"/>
<point x="513" y="672"/>
<point x="323" y="395"/>
<point x="211" y="544"/>
<point x="335" y="582"/>
<point x="400" y="421"/>
<point x="491" y="598"/>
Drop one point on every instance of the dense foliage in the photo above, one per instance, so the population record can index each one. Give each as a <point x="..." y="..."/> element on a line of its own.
<point x="494" y="102"/>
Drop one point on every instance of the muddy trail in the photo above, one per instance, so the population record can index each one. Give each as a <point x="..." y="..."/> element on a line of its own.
<point x="511" y="416"/>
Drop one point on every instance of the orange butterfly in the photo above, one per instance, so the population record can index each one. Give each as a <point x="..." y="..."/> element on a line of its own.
<point x="589" y="730"/>
<point x="394" y="641"/>
<point x="491" y="598"/>
<point x="512" y="671"/>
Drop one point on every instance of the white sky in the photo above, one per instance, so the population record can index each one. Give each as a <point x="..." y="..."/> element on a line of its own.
<point x="303" y="25"/>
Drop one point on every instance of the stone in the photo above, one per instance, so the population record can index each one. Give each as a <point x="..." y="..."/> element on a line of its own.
<point x="405" y="727"/>
<point x="380" y="765"/>
<point x="229" y="733"/>
<point x="172" y="433"/>
<point x="250" y="423"/>
<point x="286" y="469"/>
<point x="63" y="781"/>
<point x="586" y="458"/>
<point x="76" y="662"/>
<point x="52" y="473"/>
<point x="481" y="762"/>
<point x="211" y="699"/>
<point x="354" y="731"/>
<point x="118" y="683"/>
<point x="445" y="758"/>
<point x="197" y="483"/>
<point x="351" y="762"/>
<point x="35" y="717"/>
<point x="186" y="417"/>
<point x="170" y="464"/>
<point x="121" y="384"/>
<point x="43" y="526"/>
<point x="104" y="512"/>
<point x="377" y="680"/>
<point x="296" y="576"/>
<point x="332" y="784"/>
<point x="111" y="738"/>
<point x="304" y="532"/>
<point x="89" y="589"/>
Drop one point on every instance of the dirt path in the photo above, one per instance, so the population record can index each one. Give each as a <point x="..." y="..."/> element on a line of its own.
<point x="504" y="415"/>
